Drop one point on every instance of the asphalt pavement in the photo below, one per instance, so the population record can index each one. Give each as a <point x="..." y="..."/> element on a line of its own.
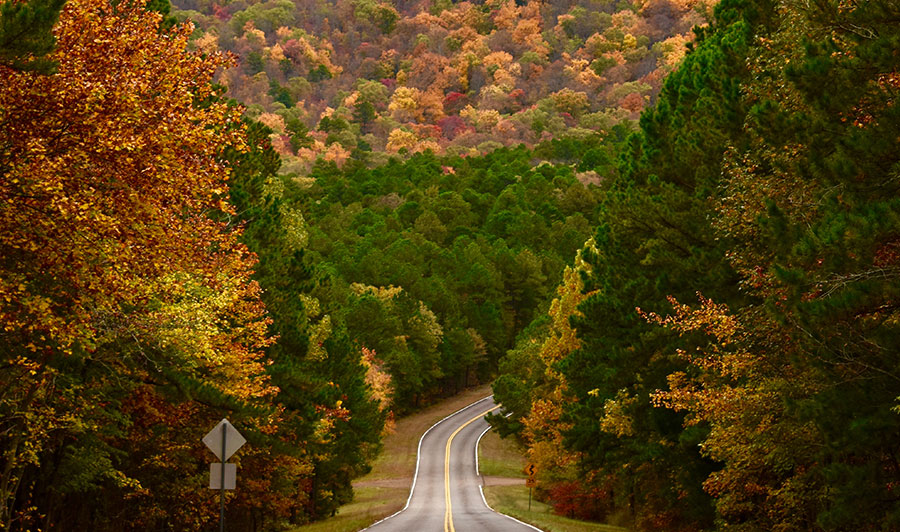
<point x="446" y="494"/>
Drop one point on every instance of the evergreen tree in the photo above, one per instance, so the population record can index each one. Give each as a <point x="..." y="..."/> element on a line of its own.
<point x="654" y="240"/>
<point x="26" y="34"/>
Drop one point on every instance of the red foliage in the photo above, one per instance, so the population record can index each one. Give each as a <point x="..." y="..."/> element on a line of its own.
<point x="574" y="499"/>
<point x="292" y="50"/>
<point x="428" y="131"/>
<point x="454" y="101"/>
<point x="451" y="126"/>
<point x="221" y="13"/>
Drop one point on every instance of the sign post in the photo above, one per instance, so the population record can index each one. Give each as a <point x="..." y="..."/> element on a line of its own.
<point x="223" y="440"/>
<point x="222" y="483"/>
<point x="531" y="481"/>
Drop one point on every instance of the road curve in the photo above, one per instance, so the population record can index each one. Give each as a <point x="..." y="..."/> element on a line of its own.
<point x="446" y="492"/>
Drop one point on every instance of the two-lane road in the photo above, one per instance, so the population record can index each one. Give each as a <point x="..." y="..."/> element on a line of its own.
<point x="446" y="493"/>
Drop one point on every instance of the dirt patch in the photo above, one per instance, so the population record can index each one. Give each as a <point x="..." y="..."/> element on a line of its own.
<point x="384" y="483"/>
<point x="503" y="481"/>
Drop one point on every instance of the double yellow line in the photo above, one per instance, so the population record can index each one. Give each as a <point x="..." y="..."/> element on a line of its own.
<point x="448" y="514"/>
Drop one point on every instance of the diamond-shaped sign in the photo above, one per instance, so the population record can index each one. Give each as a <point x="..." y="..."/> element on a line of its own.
<point x="226" y="432"/>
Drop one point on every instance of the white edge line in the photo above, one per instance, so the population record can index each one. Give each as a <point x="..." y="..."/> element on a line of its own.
<point x="481" y="489"/>
<point x="478" y="443"/>
<point x="481" y="486"/>
<point x="419" y="457"/>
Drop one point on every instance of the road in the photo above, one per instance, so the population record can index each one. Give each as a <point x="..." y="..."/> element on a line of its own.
<point x="446" y="493"/>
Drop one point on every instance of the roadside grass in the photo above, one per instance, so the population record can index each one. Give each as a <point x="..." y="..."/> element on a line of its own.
<point x="385" y="489"/>
<point x="503" y="458"/>
<point x="500" y="458"/>
<point x="513" y="501"/>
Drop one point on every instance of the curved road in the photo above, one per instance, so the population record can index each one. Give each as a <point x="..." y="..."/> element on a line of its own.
<point x="446" y="492"/>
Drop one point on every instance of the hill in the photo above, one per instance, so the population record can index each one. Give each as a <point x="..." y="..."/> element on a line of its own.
<point x="368" y="79"/>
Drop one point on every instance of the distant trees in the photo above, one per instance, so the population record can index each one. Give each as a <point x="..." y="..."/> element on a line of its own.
<point x="501" y="61"/>
<point x="436" y="264"/>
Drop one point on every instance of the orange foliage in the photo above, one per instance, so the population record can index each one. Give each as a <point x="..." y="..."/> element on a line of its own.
<point x="380" y="383"/>
<point x="115" y="249"/>
<point x="741" y="393"/>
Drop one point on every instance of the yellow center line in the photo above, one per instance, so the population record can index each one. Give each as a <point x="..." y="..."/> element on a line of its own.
<point x="448" y="514"/>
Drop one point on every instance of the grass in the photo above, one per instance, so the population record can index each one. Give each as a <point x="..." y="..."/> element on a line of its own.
<point x="503" y="458"/>
<point x="369" y="505"/>
<point x="513" y="500"/>
<point x="500" y="458"/>
<point x="385" y="489"/>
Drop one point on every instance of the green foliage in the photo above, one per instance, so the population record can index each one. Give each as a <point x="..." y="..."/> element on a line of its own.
<point x="255" y="64"/>
<point x="319" y="73"/>
<point x="310" y="369"/>
<point x="164" y="8"/>
<point x="654" y="239"/>
<point x="25" y="34"/>
<point x="382" y="15"/>
<point x="280" y="94"/>
<point x="765" y="179"/>
<point x="266" y="16"/>
<point x="477" y="243"/>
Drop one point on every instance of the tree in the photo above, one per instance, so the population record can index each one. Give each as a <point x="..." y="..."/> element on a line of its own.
<point x="25" y="34"/>
<point x="818" y="252"/>
<point x="120" y="293"/>
<point x="655" y="233"/>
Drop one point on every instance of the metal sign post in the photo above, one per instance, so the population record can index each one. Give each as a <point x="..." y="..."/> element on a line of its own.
<point x="531" y="481"/>
<point x="222" y="483"/>
<point x="223" y="440"/>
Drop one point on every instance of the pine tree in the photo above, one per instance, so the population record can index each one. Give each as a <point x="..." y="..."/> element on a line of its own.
<point x="655" y="239"/>
<point x="25" y="34"/>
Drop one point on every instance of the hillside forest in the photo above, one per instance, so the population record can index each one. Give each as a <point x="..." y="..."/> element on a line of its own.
<point x="666" y="230"/>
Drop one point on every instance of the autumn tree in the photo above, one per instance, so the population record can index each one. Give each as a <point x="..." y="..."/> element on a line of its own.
<point x="814" y="240"/>
<point x="121" y="294"/>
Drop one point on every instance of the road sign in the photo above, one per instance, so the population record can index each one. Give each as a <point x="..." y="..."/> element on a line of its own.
<point x="531" y="470"/>
<point x="530" y="482"/>
<point x="233" y="440"/>
<point x="215" y="476"/>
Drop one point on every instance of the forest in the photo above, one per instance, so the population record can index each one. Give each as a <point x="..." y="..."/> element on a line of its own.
<point x="668" y="231"/>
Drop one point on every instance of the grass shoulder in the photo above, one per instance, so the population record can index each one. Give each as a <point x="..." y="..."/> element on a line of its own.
<point x="502" y="463"/>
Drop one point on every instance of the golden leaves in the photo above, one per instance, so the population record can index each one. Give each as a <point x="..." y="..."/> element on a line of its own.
<point x="109" y="249"/>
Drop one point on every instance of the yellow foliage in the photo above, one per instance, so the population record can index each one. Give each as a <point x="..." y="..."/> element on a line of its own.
<point x="276" y="53"/>
<point x="384" y="293"/>
<point x="399" y="139"/>
<point x="544" y="426"/>
<point x="208" y="43"/>
<point x="254" y="36"/>
<point x="273" y="121"/>
<point x="404" y="104"/>
<point x="500" y="59"/>
<point x="482" y="120"/>
<point x="616" y="419"/>
<point x="379" y="381"/>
